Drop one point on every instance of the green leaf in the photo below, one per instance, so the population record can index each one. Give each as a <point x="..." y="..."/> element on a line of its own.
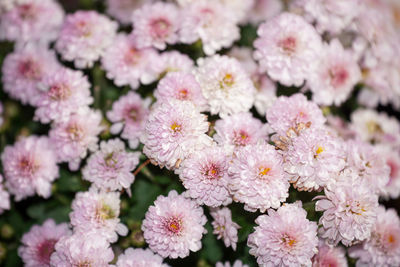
<point x="211" y="249"/>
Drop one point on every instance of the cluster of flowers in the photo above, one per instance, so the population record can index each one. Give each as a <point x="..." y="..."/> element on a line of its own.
<point x="234" y="157"/>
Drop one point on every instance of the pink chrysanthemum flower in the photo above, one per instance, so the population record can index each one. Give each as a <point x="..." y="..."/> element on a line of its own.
<point x="349" y="207"/>
<point x="329" y="256"/>
<point x="289" y="112"/>
<point x="63" y="92"/>
<point x="174" y="226"/>
<point x="257" y="177"/>
<point x="238" y="130"/>
<point x="32" y="20"/>
<point x="287" y="48"/>
<point x="111" y="167"/>
<point x="284" y="237"/>
<point x="38" y="244"/>
<point x="156" y="24"/>
<point x="126" y="64"/>
<point x="122" y="10"/>
<point x="129" y="114"/>
<point x="313" y="158"/>
<point x="170" y="61"/>
<point x="30" y="167"/>
<point x="23" y="69"/>
<point x="225" y="84"/>
<point x="205" y="176"/>
<point x="181" y="86"/>
<point x="210" y="22"/>
<point x="73" y="137"/>
<point x="224" y="227"/>
<point x="82" y="249"/>
<point x="369" y="163"/>
<point x="84" y="37"/>
<point x="383" y="248"/>
<point x="98" y="211"/>
<point x="139" y="257"/>
<point x="263" y="10"/>
<point x="265" y="94"/>
<point x="237" y="263"/>
<point x="173" y="131"/>
<point x="239" y="8"/>
<point x="335" y="75"/>
<point x="392" y="158"/>
<point x="4" y="197"/>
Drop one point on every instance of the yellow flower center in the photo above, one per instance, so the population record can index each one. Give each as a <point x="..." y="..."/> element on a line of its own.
<point x="318" y="151"/>
<point x="227" y="81"/>
<point x="374" y="127"/>
<point x="175" y="127"/>
<point x="264" y="171"/>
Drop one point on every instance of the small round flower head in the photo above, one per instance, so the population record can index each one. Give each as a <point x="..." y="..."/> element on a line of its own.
<point x="73" y="137"/>
<point x="371" y="126"/>
<point x="265" y="94"/>
<point x="173" y="131"/>
<point x="392" y="158"/>
<point x="313" y="158"/>
<point x="129" y="114"/>
<point x="38" y="244"/>
<point x="174" y="226"/>
<point x="63" y="92"/>
<point x="383" y="248"/>
<point x="284" y="237"/>
<point x="32" y="20"/>
<point x="181" y="86"/>
<point x="335" y="75"/>
<point x="84" y="37"/>
<point x="97" y="211"/>
<point x="4" y="197"/>
<point x="30" y="167"/>
<point x="287" y="48"/>
<point x="225" y="84"/>
<point x="111" y="167"/>
<point x="170" y="61"/>
<point x="139" y="257"/>
<point x="205" y="176"/>
<point x="263" y="10"/>
<point x="349" y="207"/>
<point x="289" y="112"/>
<point x="257" y="177"/>
<point x="122" y="9"/>
<point x="224" y="227"/>
<point x="237" y="263"/>
<point x="329" y="256"/>
<point x="156" y="24"/>
<point x="82" y="249"/>
<point x="370" y="164"/>
<point x="238" y="130"/>
<point x="210" y="22"/>
<point x="24" y="68"/>
<point x="126" y="64"/>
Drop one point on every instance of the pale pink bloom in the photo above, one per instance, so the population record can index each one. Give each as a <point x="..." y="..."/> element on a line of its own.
<point x="6" y="5"/>
<point x="30" y="167"/>
<point x="205" y="176"/>
<point x="224" y="227"/>
<point x="62" y="93"/>
<point x="263" y="10"/>
<point x="181" y="86"/>
<point x="349" y="207"/>
<point x="239" y="8"/>
<point x="73" y="137"/>
<point x="257" y="177"/>
<point x="287" y="48"/>
<point x="238" y="130"/>
<point x="284" y="237"/>
<point x="126" y="64"/>
<point x="32" y="20"/>
<point x="139" y="257"/>
<point x="335" y="75"/>
<point x="313" y="158"/>
<point x="84" y="37"/>
<point x="129" y="114"/>
<point x="392" y="158"/>
<point x="237" y="263"/>
<point x="289" y="112"/>
<point x="329" y="256"/>
<point x="156" y="24"/>
<point x="340" y="127"/>
<point x="174" y="226"/>
<point x="265" y="94"/>
<point x="173" y="131"/>
<point x="38" y="244"/>
<point x="4" y="197"/>
<point x="122" y="10"/>
<point x="225" y="84"/>
<point x="24" y="69"/>
<point x="209" y="21"/>
<point x="383" y="248"/>
<point x="82" y="249"/>
<point x="111" y="167"/>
